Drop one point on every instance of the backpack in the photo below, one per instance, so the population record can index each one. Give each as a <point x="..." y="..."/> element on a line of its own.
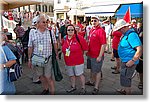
<point x="127" y="38"/>
<point x="25" y="38"/>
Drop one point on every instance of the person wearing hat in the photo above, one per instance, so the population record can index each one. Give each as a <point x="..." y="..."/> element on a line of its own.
<point x="35" y="76"/>
<point x="97" y="44"/>
<point x="129" y="50"/>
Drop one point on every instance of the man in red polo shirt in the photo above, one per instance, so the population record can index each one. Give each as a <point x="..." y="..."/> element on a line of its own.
<point x="97" y="44"/>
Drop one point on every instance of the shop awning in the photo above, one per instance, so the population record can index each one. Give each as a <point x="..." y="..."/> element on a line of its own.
<point x="136" y="10"/>
<point x="102" y="10"/>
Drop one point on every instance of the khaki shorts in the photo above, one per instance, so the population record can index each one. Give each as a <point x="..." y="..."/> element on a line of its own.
<point x="46" y="71"/>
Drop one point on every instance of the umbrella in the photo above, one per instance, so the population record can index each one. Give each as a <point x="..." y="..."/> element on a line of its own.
<point x="11" y="4"/>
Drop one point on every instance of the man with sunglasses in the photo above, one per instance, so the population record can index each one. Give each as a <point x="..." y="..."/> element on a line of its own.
<point x="97" y="44"/>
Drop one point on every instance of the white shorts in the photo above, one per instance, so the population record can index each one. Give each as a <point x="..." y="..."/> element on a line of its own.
<point x="75" y="70"/>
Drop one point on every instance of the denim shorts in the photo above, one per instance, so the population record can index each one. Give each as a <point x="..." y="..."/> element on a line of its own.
<point x="126" y="75"/>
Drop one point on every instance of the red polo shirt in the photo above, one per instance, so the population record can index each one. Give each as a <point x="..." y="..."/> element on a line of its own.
<point x="116" y="39"/>
<point x="76" y="51"/>
<point x="96" y="38"/>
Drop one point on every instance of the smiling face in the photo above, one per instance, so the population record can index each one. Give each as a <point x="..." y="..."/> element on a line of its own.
<point x="70" y="31"/>
<point x="42" y="23"/>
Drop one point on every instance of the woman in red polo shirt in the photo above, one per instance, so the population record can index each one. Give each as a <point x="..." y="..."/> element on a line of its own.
<point x="73" y="46"/>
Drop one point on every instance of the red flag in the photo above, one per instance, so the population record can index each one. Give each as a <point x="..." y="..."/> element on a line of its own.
<point x="127" y="16"/>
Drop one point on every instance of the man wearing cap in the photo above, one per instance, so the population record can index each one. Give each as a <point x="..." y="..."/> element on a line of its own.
<point x="97" y="44"/>
<point x="35" y="78"/>
<point x="129" y="50"/>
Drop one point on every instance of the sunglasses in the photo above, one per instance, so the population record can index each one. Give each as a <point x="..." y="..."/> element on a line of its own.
<point x="93" y="20"/>
<point x="70" y="30"/>
<point x="44" y="22"/>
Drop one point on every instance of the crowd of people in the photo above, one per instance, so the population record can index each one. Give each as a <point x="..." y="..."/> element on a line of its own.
<point x="74" y="41"/>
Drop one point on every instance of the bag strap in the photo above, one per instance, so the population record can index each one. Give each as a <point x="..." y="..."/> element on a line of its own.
<point x="128" y="40"/>
<point x="52" y="42"/>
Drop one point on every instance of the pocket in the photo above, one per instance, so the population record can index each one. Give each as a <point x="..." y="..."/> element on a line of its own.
<point x="130" y="72"/>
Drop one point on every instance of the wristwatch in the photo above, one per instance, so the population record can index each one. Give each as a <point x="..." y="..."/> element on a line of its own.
<point x="4" y="65"/>
<point x="133" y="60"/>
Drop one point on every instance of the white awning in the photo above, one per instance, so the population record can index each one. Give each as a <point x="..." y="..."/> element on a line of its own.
<point x="76" y="12"/>
<point x="101" y="10"/>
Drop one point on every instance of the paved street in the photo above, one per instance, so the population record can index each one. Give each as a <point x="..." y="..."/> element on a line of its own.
<point x="108" y="85"/>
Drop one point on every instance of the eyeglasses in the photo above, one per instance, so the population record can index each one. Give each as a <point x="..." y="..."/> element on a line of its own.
<point x="93" y="20"/>
<point x="70" y="30"/>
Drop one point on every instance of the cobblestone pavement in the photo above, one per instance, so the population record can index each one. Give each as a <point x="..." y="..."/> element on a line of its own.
<point x="108" y="85"/>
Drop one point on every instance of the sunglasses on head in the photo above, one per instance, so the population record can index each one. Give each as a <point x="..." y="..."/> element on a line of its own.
<point x="70" y="30"/>
<point x="93" y="20"/>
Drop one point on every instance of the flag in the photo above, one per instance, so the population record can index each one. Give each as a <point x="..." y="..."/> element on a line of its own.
<point x="127" y="16"/>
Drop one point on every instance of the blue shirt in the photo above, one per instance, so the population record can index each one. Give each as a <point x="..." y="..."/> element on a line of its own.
<point x="127" y="44"/>
<point x="9" y="55"/>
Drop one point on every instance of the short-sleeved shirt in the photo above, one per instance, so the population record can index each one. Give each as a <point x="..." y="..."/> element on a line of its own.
<point x="97" y="37"/>
<point x="76" y="50"/>
<point x="126" y="46"/>
<point x="41" y="42"/>
<point x="116" y="39"/>
<point x="9" y="55"/>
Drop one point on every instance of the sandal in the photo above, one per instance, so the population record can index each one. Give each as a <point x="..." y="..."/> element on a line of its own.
<point x="89" y="83"/>
<point x="113" y="67"/>
<point x="95" y="91"/>
<point x="121" y="91"/>
<point x="71" y="90"/>
<point x="115" y="72"/>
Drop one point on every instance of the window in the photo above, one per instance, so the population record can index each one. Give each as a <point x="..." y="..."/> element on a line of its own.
<point x="45" y="8"/>
<point x="59" y="1"/>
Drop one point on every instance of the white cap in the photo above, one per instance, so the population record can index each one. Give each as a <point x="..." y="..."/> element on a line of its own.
<point x="35" y="20"/>
<point x="120" y="24"/>
<point x="133" y="21"/>
<point x="95" y="16"/>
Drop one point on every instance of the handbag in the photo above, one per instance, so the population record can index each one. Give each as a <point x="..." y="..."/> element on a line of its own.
<point x="38" y="61"/>
<point x="57" y="73"/>
<point x="14" y="72"/>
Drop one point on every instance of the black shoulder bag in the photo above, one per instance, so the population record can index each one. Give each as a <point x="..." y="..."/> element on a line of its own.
<point x="57" y="73"/>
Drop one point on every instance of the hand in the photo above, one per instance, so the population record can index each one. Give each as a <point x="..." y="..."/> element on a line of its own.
<point x="130" y="63"/>
<point x="98" y="59"/>
<point x="29" y="64"/>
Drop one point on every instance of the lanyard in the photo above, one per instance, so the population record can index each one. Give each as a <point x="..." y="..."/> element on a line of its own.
<point x="90" y="35"/>
<point x="69" y="44"/>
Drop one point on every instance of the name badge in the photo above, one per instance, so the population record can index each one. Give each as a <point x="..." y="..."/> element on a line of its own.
<point x="67" y="52"/>
<point x="40" y="47"/>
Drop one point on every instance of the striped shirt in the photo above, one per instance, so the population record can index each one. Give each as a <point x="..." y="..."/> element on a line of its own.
<point x="41" y="42"/>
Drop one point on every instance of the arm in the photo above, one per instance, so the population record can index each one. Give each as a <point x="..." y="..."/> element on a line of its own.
<point x="135" y="57"/>
<point x="101" y="52"/>
<point x="30" y="50"/>
<point x="8" y="64"/>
